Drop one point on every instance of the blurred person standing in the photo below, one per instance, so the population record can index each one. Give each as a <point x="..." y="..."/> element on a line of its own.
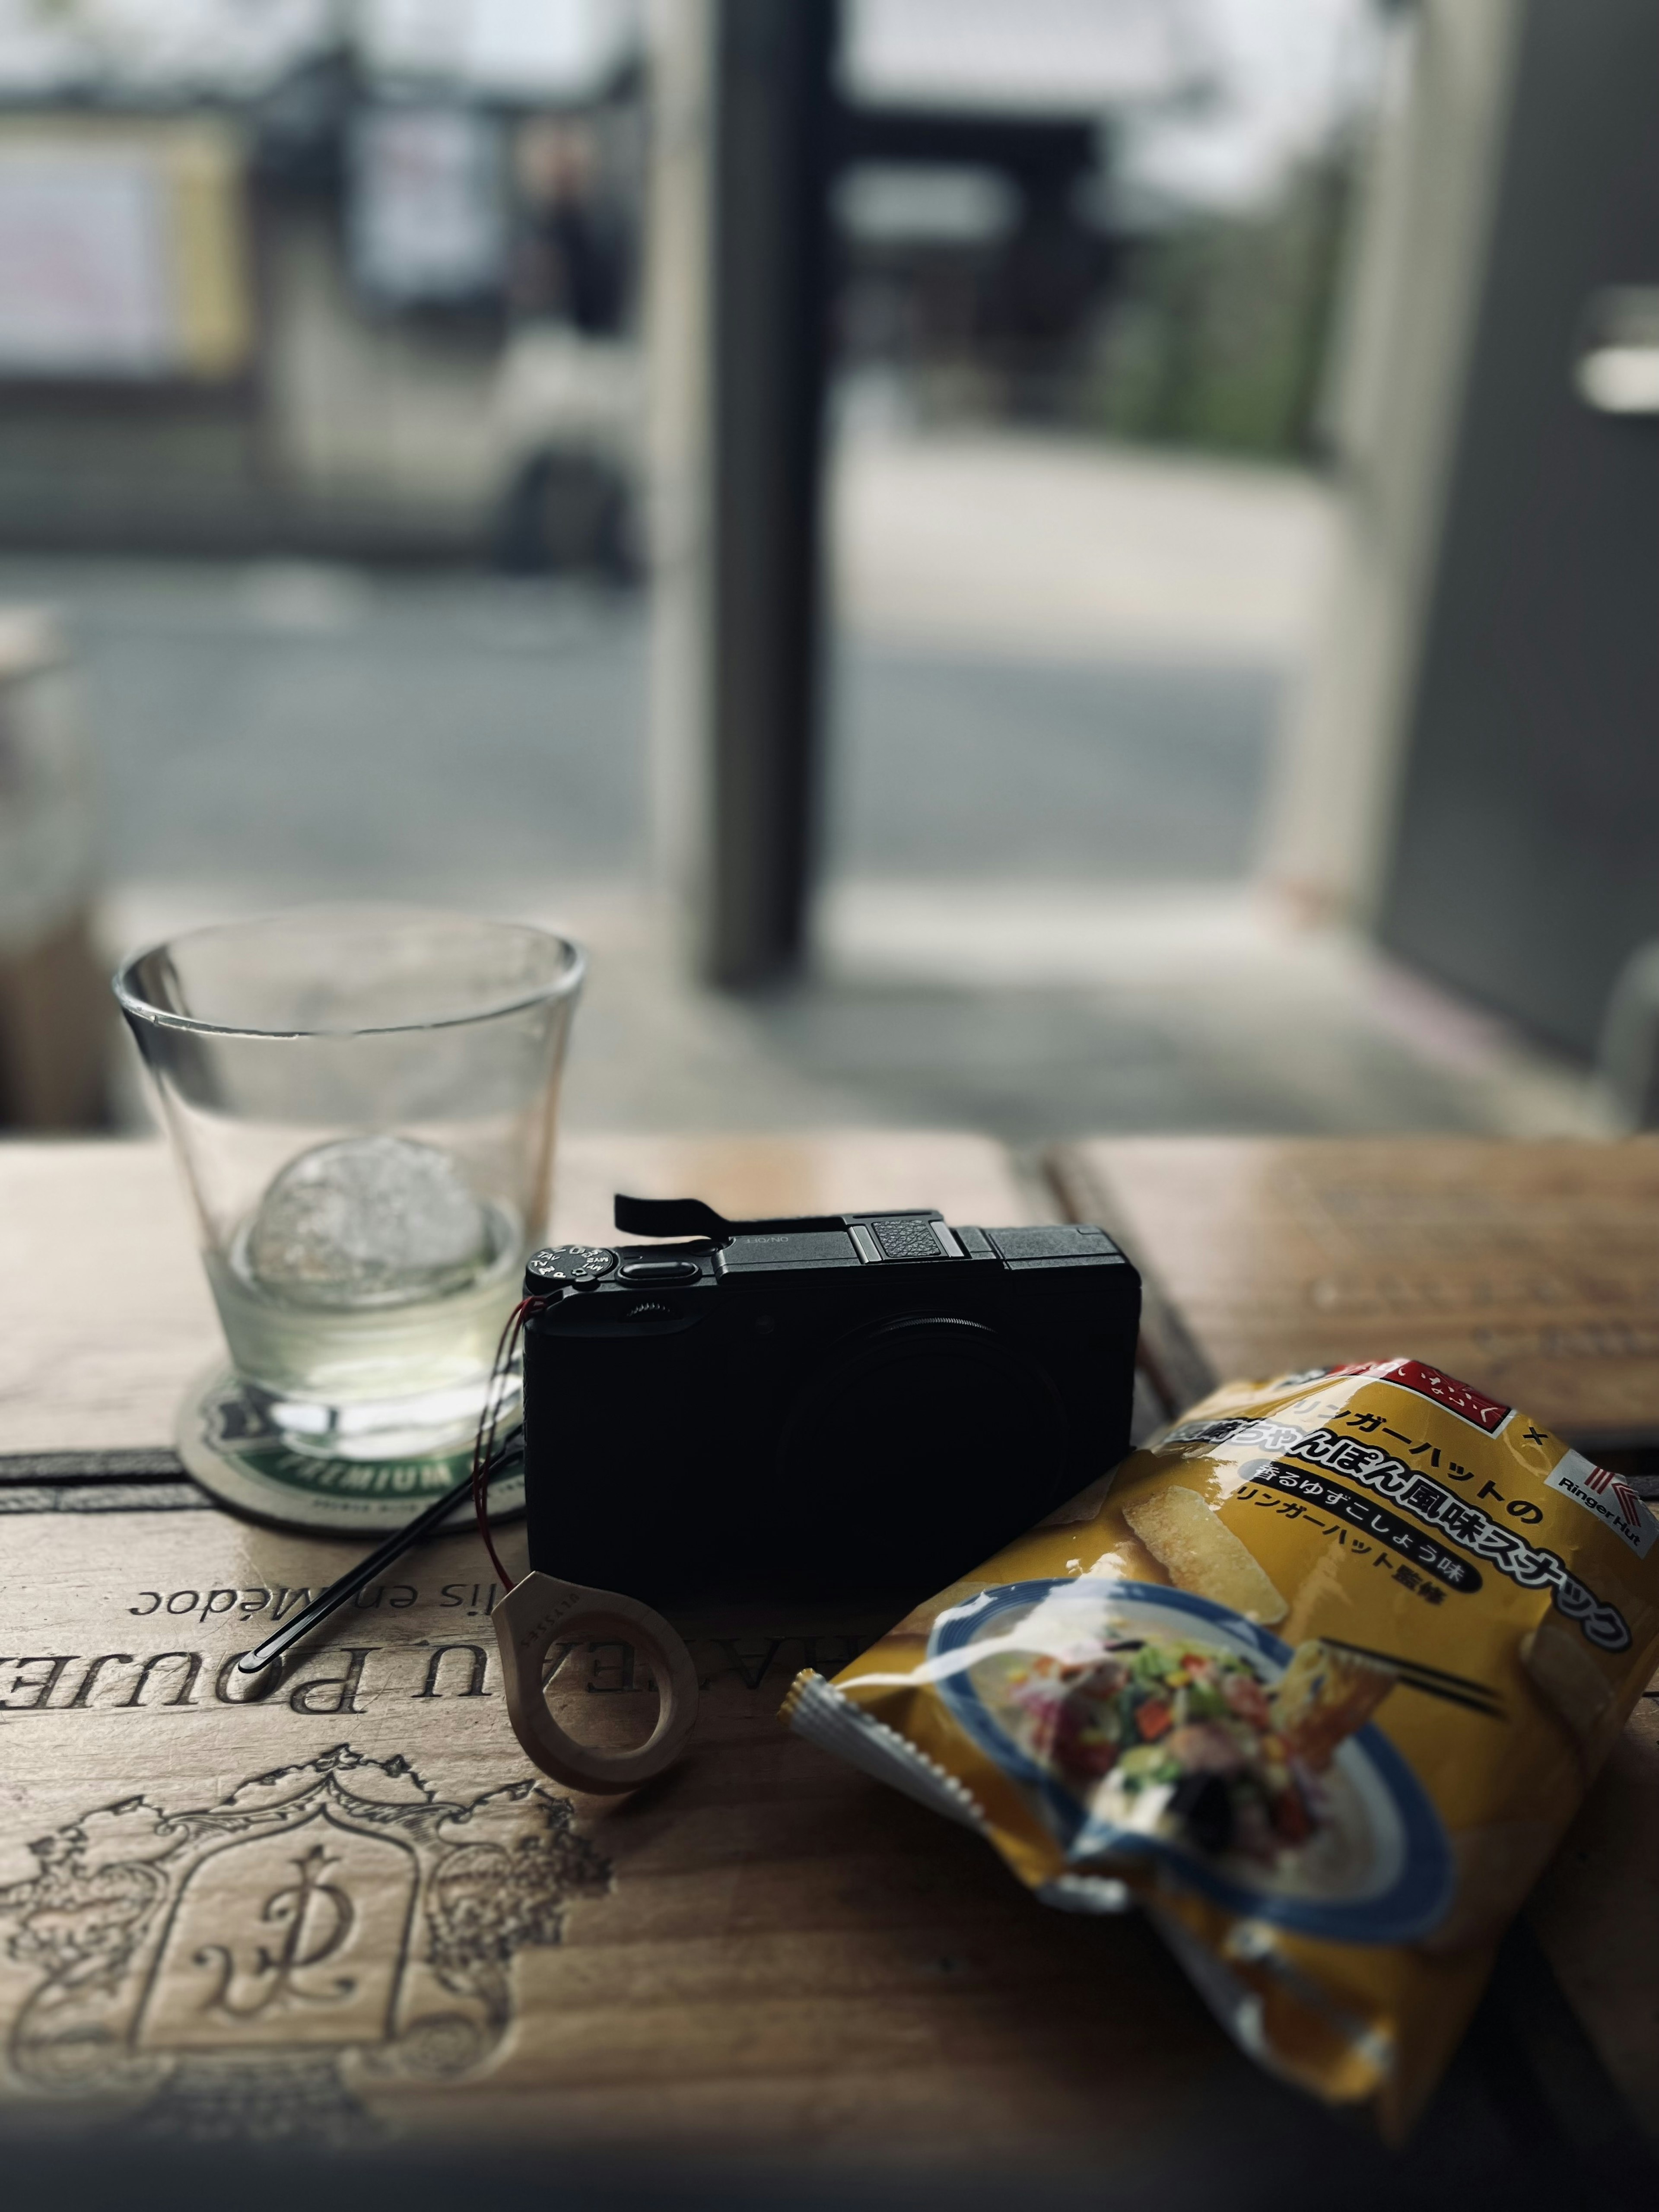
<point x="55" y="1013"/>
<point x="574" y="258"/>
<point x="570" y="393"/>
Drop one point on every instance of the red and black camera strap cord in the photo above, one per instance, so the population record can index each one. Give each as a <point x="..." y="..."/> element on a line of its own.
<point x="485" y="1447"/>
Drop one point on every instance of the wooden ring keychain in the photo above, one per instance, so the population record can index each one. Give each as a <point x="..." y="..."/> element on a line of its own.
<point x="539" y="1610"/>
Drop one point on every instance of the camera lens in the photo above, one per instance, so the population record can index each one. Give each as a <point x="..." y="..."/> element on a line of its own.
<point x="925" y="1445"/>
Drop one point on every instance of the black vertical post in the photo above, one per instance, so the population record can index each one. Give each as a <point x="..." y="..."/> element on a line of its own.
<point x="773" y="111"/>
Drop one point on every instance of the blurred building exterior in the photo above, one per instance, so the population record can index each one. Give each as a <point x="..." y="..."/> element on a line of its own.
<point x="1061" y="243"/>
<point x="329" y="277"/>
<point x="300" y="294"/>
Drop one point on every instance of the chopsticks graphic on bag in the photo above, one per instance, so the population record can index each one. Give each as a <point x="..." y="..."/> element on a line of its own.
<point x="1432" y="1681"/>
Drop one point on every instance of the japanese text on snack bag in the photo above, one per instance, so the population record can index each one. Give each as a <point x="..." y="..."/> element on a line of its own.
<point x="1530" y="1567"/>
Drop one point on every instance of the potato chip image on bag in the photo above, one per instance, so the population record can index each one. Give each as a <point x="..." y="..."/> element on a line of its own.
<point x="1317" y="1681"/>
<point x="1199" y="1553"/>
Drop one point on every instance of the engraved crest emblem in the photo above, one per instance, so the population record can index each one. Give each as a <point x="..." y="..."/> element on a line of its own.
<point x="242" y="1969"/>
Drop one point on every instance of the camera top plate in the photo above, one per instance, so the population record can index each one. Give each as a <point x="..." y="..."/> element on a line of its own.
<point x="724" y="1250"/>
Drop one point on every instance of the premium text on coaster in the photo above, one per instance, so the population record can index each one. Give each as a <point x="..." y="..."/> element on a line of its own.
<point x="227" y="1440"/>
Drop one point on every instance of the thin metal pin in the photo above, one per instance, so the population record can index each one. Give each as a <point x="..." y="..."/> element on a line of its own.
<point x="337" y="1593"/>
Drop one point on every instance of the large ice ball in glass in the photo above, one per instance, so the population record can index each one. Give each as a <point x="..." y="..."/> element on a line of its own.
<point x="369" y="1221"/>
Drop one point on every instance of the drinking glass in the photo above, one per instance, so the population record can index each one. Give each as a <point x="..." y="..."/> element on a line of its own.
<point x="362" y="1102"/>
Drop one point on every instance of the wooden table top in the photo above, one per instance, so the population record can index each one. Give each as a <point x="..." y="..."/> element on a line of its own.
<point x="765" y="1952"/>
<point x="1528" y="1269"/>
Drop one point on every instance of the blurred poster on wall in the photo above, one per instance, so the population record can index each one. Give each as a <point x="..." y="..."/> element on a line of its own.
<point x="122" y="252"/>
<point x="85" y="285"/>
<point x="427" y="219"/>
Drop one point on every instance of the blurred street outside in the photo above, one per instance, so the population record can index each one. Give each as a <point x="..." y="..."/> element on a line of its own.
<point x="1060" y="674"/>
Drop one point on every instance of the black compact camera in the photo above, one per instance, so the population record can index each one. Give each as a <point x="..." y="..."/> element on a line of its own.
<point x="856" y="1403"/>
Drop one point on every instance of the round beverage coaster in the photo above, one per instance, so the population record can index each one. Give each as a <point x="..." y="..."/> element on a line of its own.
<point x="229" y="1442"/>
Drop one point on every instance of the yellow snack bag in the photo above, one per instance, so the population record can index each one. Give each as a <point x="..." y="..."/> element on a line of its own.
<point x="1318" y="1678"/>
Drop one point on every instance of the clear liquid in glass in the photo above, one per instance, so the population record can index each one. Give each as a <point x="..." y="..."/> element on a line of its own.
<point x="367" y="1292"/>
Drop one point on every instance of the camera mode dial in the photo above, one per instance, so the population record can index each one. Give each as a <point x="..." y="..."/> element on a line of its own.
<point x="560" y="1265"/>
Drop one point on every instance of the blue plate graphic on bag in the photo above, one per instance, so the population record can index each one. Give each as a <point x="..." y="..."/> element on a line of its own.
<point x="1379" y="1869"/>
